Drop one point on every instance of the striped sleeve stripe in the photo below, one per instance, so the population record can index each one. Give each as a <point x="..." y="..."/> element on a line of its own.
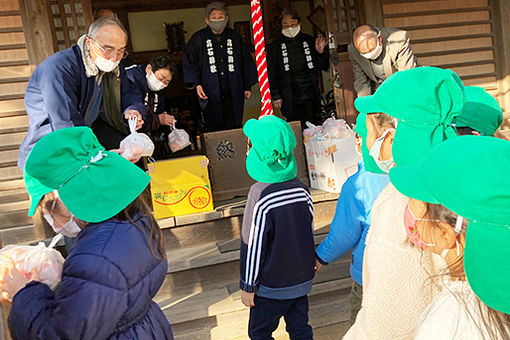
<point x="261" y="208"/>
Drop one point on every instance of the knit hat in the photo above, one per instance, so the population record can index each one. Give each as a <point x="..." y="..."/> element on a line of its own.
<point x="271" y="158"/>
<point x="361" y="130"/>
<point x="94" y="184"/>
<point x="481" y="112"/>
<point x="425" y="100"/>
<point x="468" y="175"/>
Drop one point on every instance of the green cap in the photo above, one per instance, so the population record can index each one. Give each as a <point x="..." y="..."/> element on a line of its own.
<point x="425" y="100"/>
<point x="271" y="158"/>
<point x="468" y="175"/>
<point x="94" y="184"/>
<point x="481" y="112"/>
<point x="361" y="130"/>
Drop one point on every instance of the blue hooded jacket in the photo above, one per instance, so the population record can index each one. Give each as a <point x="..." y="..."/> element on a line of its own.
<point x="108" y="282"/>
<point x="352" y="219"/>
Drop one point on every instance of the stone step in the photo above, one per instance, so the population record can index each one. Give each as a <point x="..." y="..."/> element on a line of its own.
<point x="223" y="316"/>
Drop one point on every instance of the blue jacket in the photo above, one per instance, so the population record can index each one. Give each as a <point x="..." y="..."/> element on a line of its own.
<point x="58" y="95"/>
<point x="108" y="282"/>
<point x="139" y="92"/>
<point x="277" y="246"/>
<point x="352" y="219"/>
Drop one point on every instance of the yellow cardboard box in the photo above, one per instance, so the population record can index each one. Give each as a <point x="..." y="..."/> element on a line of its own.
<point x="180" y="186"/>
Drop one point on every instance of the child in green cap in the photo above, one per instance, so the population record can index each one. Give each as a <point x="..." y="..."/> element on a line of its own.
<point x="444" y="194"/>
<point x="353" y="210"/>
<point x="277" y="245"/>
<point x="118" y="262"/>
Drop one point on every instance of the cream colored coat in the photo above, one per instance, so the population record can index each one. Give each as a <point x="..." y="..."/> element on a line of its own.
<point x="398" y="57"/>
<point x="396" y="289"/>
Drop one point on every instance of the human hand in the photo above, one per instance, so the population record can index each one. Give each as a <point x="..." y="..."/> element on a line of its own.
<point x="247" y="94"/>
<point x="318" y="265"/>
<point x="13" y="281"/>
<point x="133" y="159"/>
<point x="134" y="113"/>
<point x="166" y="119"/>
<point x="320" y="43"/>
<point x="201" y="93"/>
<point x="248" y="299"/>
<point x="278" y="103"/>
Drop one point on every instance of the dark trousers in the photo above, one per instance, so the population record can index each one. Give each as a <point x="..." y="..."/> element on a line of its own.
<point x="307" y="111"/>
<point x="266" y="314"/>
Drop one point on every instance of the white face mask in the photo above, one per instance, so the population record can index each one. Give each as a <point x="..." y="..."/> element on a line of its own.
<point x="375" y="53"/>
<point x="69" y="229"/>
<point x="105" y="65"/>
<point x="375" y="151"/>
<point x="154" y="83"/>
<point x="291" y="32"/>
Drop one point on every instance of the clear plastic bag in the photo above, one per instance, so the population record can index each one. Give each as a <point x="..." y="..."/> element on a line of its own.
<point x="178" y="139"/>
<point x="312" y="131"/>
<point x="46" y="261"/>
<point x="137" y="144"/>
<point x="336" y="129"/>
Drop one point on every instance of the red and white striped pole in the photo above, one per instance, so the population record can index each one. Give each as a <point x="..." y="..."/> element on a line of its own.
<point x="260" y="58"/>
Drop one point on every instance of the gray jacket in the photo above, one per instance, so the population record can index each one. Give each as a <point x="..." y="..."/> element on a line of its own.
<point x="398" y="56"/>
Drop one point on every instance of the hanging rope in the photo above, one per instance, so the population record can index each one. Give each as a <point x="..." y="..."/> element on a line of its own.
<point x="260" y="58"/>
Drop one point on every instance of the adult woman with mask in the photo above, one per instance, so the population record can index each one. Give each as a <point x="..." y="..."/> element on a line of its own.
<point x="294" y="62"/>
<point x="220" y="67"/>
<point x="442" y="195"/>
<point x="147" y="82"/>
<point x="118" y="261"/>
<point x="353" y="212"/>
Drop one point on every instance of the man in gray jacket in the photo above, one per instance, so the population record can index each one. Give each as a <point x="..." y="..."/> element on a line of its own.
<point x="377" y="53"/>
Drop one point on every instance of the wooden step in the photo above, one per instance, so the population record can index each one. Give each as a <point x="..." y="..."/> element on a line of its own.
<point x="10" y="72"/>
<point x="227" y="318"/>
<point x="12" y="186"/>
<point x="8" y="157"/>
<point x="11" y="141"/>
<point x="13" y="88"/>
<point x="8" y="173"/>
<point x="15" y="219"/>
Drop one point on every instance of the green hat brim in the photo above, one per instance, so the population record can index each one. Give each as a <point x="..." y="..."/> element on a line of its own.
<point x="407" y="181"/>
<point x="36" y="190"/>
<point x="486" y="263"/>
<point x="102" y="190"/>
<point x="367" y="104"/>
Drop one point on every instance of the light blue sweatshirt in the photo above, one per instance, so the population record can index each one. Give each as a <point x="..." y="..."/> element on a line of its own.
<point x="352" y="219"/>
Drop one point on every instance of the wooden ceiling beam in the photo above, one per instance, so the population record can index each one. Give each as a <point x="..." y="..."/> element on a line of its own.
<point x="157" y="5"/>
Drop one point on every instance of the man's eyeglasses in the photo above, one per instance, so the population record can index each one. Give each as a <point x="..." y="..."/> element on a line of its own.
<point x="108" y="51"/>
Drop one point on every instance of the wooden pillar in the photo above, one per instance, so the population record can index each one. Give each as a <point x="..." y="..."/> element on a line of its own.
<point x="37" y="26"/>
<point x="371" y="12"/>
<point x="500" y="10"/>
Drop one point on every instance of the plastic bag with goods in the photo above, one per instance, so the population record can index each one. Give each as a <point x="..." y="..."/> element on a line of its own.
<point x="46" y="261"/>
<point x="137" y="144"/>
<point x="336" y="129"/>
<point x="178" y="139"/>
<point x="311" y="131"/>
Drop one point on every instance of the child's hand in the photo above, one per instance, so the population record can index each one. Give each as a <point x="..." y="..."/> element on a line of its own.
<point x="318" y="265"/>
<point x="248" y="299"/>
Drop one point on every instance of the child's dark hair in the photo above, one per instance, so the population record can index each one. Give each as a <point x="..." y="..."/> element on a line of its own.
<point x="162" y="61"/>
<point x="154" y="236"/>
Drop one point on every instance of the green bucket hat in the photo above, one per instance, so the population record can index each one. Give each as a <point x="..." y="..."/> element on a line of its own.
<point x="481" y="112"/>
<point x="271" y="158"/>
<point x="361" y="130"/>
<point x="425" y="100"/>
<point x="468" y="175"/>
<point x="94" y="184"/>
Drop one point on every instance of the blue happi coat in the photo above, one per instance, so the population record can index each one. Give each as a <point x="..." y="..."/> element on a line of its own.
<point x="108" y="282"/>
<point x="202" y="65"/>
<point x="58" y="95"/>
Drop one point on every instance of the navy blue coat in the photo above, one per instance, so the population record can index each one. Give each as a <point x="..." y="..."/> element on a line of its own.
<point x="140" y="92"/>
<point x="280" y="79"/>
<point x="108" y="282"/>
<point x="198" y="70"/>
<point x="58" y="95"/>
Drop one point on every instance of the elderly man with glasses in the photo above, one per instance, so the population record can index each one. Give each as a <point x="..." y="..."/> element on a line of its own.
<point x="377" y="53"/>
<point x="82" y="85"/>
